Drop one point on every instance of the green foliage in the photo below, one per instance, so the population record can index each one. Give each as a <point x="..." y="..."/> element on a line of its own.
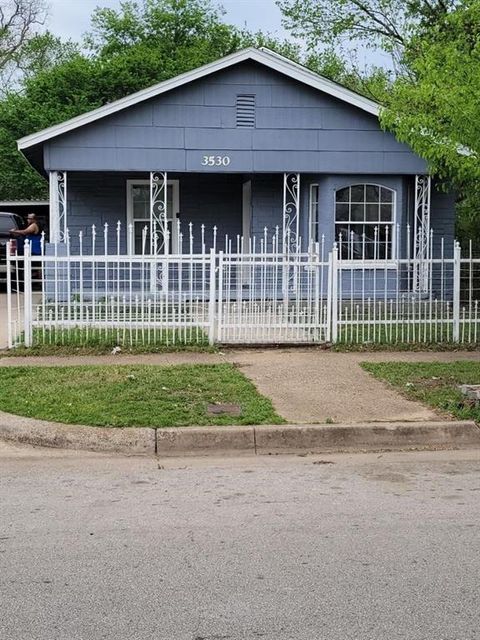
<point x="384" y="24"/>
<point x="432" y="98"/>
<point x="436" y="110"/>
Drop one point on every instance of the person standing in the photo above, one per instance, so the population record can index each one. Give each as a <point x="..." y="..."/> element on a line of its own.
<point x="32" y="233"/>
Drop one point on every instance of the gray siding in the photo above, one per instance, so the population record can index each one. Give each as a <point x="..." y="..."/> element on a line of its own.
<point x="443" y="221"/>
<point x="297" y="129"/>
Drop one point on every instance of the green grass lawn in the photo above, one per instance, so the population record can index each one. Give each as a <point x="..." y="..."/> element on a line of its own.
<point x="72" y="341"/>
<point x="433" y="383"/>
<point x="133" y="396"/>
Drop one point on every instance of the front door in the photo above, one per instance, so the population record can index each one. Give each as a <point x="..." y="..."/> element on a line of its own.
<point x="138" y="214"/>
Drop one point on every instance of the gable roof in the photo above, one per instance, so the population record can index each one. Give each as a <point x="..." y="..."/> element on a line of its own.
<point x="263" y="56"/>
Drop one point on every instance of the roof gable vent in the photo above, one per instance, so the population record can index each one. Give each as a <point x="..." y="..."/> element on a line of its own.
<point x="245" y="110"/>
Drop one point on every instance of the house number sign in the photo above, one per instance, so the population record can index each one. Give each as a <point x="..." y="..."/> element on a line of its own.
<point x="215" y="161"/>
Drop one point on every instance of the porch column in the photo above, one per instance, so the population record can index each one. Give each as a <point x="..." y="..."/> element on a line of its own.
<point x="290" y="231"/>
<point x="58" y="206"/>
<point x="158" y="213"/>
<point x="421" y="234"/>
<point x="291" y="212"/>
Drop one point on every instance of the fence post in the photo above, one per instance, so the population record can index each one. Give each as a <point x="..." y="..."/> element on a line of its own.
<point x="211" y="300"/>
<point x="27" y="297"/>
<point x="335" y="293"/>
<point x="332" y="295"/>
<point x="9" y="296"/>
<point x="221" y="262"/>
<point x="457" y="254"/>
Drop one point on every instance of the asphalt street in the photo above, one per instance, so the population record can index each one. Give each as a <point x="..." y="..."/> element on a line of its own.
<point x="363" y="547"/>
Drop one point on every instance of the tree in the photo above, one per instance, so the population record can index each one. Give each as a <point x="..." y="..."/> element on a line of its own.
<point x="437" y="110"/>
<point x="379" y="24"/>
<point x="19" y="20"/>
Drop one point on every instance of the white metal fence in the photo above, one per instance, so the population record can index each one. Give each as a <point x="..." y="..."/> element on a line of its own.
<point x="252" y="293"/>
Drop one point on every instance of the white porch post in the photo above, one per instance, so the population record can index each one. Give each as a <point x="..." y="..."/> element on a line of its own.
<point x="158" y="213"/>
<point x="159" y="237"/>
<point x="421" y="234"/>
<point x="58" y="206"/>
<point x="291" y="212"/>
<point x="291" y="228"/>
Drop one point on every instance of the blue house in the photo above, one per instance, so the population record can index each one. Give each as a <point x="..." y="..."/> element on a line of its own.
<point x="251" y="155"/>
<point x="249" y="142"/>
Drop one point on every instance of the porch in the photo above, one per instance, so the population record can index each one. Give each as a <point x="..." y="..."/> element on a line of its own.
<point x="172" y="213"/>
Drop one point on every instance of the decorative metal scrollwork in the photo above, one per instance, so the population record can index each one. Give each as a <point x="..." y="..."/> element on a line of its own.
<point x="62" y="205"/>
<point x="421" y="267"/>
<point x="58" y="206"/>
<point x="291" y="218"/>
<point x="158" y="212"/>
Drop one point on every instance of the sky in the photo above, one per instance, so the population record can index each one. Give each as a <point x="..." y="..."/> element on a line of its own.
<point x="71" y="18"/>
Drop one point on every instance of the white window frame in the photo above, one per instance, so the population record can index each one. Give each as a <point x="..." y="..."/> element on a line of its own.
<point x="175" y="184"/>
<point x="392" y="260"/>
<point x="313" y="213"/>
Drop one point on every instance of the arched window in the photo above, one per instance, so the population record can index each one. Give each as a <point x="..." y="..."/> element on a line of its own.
<point x="365" y="222"/>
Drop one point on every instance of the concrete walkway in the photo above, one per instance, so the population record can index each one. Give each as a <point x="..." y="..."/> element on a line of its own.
<point x="314" y="385"/>
<point x="305" y="385"/>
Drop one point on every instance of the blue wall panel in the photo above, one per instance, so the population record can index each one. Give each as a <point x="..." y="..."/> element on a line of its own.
<point x="320" y="133"/>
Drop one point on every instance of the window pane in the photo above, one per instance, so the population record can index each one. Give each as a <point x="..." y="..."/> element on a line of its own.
<point x="343" y="195"/>
<point x="367" y="232"/>
<point x="6" y="223"/>
<point x="342" y="212"/>
<point x="357" y="213"/>
<point x="386" y="195"/>
<point x="372" y="212"/>
<point x="386" y="213"/>
<point x="358" y="193"/>
<point x="141" y="201"/>
<point x="138" y="237"/>
<point x="372" y="193"/>
<point x="314" y="213"/>
<point x="341" y="229"/>
<point x="371" y="242"/>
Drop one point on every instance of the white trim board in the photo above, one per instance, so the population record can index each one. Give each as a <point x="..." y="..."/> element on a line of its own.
<point x="24" y="203"/>
<point x="263" y="56"/>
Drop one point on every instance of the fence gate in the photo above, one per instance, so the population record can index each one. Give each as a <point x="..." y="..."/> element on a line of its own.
<point x="268" y="298"/>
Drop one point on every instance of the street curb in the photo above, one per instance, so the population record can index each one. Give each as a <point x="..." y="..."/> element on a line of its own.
<point x="239" y="440"/>
<point x="132" y="441"/>
<point x="367" y="437"/>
